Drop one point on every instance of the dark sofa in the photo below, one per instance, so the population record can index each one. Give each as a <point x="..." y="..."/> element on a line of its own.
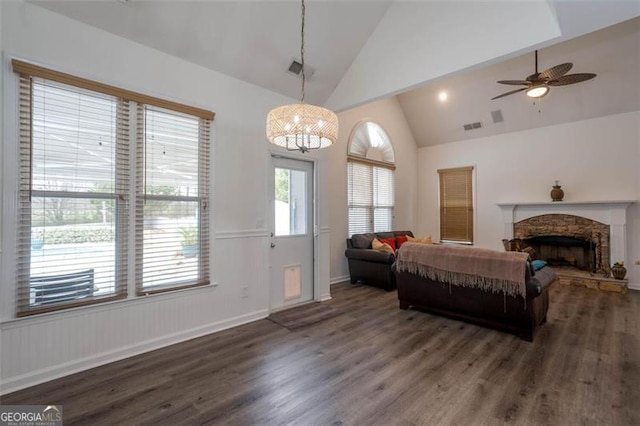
<point x="368" y="265"/>
<point x="512" y="314"/>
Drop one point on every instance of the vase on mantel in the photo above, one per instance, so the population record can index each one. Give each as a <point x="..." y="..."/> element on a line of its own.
<point x="557" y="194"/>
<point x="618" y="272"/>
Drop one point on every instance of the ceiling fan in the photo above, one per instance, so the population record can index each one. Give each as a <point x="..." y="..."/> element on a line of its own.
<point x="537" y="84"/>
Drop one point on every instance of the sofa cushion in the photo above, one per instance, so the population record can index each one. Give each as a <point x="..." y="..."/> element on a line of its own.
<point x="390" y="241"/>
<point x="382" y="246"/>
<point x="381" y="235"/>
<point x="424" y="240"/>
<point x="401" y="239"/>
<point x="363" y="241"/>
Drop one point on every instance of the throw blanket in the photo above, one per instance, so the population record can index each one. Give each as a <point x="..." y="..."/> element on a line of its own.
<point x="488" y="270"/>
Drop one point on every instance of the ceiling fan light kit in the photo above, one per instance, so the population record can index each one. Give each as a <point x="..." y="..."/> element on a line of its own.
<point x="538" y="84"/>
<point x="538" y="91"/>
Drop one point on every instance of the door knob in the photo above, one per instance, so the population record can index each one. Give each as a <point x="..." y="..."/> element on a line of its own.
<point x="273" y="245"/>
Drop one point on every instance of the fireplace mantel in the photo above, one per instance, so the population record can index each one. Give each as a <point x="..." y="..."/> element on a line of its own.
<point x="612" y="213"/>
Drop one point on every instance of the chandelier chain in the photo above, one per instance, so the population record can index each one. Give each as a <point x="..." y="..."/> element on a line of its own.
<point x="302" y="54"/>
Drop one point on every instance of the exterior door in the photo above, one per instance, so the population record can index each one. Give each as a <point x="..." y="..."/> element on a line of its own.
<point x="292" y="232"/>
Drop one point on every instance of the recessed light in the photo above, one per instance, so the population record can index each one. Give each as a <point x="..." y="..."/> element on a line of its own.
<point x="443" y="96"/>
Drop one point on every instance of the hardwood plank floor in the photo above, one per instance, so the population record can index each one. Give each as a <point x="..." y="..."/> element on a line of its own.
<point x="375" y="364"/>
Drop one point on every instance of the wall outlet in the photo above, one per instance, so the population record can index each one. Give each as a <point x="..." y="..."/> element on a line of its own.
<point x="244" y="292"/>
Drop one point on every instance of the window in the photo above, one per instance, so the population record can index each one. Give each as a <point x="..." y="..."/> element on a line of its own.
<point x="78" y="186"/>
<point x="456" y="205"/>
<point x="370" y="180"/>
<point x="290" y="202"/>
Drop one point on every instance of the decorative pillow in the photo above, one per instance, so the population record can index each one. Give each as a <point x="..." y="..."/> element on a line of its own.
<point x="390" y="241"/>
<point x="424" y="240"/>
<point x="538" y="264"/>
<point x="376" y="244"/>
<point x="400" y="239"/>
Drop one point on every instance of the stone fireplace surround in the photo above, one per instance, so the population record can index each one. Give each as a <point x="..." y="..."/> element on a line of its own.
<point x="613" y="214"/>
<point x="576" y="228"/>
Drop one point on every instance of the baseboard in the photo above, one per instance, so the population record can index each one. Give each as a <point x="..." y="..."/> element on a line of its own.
<point x="325" y="297"/>
<point x="634" y="286"/>
<point x="336" y="280"/>
<point x="13" y="384"/>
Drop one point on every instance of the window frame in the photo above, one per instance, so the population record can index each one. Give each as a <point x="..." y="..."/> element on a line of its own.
<point x="467" y="230"/>
<point x="386" y="147"/>
<point x="125" y="223"/>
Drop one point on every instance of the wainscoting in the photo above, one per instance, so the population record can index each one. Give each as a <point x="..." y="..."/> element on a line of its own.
<point x="48" y="346"/>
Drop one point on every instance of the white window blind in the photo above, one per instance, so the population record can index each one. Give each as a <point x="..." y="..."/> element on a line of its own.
<point x="172" y="238"/>
<point x="370" y="179"/>
<point x="74" y="180"/>
<point x="83" y="200"/>
<point x="370" y="198"/>
<point x="456" y="205"/>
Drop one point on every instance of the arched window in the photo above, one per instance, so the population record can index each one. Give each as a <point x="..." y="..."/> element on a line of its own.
<point x="370" y="163"/>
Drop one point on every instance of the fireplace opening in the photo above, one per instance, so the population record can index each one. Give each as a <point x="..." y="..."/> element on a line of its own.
<point x="565" y="251"/>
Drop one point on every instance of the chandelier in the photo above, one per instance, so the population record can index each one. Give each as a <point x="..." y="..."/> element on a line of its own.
<point x="302" y="127"/>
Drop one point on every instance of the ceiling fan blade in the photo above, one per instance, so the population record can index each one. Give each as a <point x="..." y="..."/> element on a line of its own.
<point x="514" y="82"/>
<point x="556" y="72"/>
<point x="510" y="93"/>
<point x="571" y="79"/>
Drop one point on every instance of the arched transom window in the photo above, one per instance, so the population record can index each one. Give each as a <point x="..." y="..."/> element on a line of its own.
<point x="370" y="166"/>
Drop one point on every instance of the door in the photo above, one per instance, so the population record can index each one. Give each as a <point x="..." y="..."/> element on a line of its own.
<point x="292" y="232"/>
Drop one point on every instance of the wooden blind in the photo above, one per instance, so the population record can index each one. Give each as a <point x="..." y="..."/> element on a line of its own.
<point x="26" y="68"/>
<point x="172" y="238"/>
<point x="78" y="185"/>
<point x="456" y="205"/>
<point x="74" y="180"/>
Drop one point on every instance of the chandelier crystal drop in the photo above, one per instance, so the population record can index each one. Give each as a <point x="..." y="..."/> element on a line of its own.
<point x="302" y="127"/>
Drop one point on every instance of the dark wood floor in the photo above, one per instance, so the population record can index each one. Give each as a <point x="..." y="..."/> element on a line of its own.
<point x="376" y="364"/>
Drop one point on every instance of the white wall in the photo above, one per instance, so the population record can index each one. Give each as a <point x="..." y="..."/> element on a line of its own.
<point x="46" y="346"/>
<point x="594" y="159"/>
<point x="388" y="114"/>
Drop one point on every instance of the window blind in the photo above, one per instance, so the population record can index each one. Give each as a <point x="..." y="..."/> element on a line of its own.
<point x="172" y="239"/>
<point x="74" y="178"/>
<point x="370" y="197"/>
<point x="92" y="182"/>
<point x="456" y="205"/>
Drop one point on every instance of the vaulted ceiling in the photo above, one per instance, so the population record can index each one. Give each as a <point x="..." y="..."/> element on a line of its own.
<point x="365" y="50"/>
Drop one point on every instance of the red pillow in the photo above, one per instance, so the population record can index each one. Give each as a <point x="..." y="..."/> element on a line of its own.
<point x="390" y="241"/>
<point x="401" y="239"/>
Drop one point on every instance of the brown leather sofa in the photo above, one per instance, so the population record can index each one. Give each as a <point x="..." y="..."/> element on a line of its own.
<point x="368" y="265"/>
<point x="495" y="310"/>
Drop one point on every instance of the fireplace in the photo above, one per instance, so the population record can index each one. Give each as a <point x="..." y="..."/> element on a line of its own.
<point x="566" y="240"/>
<point x="583" y="238"/>
<point x="564" y="251"/>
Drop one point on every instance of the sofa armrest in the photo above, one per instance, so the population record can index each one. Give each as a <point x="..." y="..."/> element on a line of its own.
<point x="370" y="255"/>
<point x="543" y="278"/>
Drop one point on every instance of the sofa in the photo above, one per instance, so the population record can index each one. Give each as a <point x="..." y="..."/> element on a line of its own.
<point x="368" y="265"/>
<point x="451" y="288"/>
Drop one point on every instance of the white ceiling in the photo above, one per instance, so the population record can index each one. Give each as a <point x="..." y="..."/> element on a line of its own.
<point x="362" y="50"/>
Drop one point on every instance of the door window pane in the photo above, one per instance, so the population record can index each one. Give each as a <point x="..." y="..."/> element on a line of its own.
<point x="290" y="202"/>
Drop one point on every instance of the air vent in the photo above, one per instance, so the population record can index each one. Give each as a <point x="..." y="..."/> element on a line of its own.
<point x="295" y="68"/>
<point x="497" y="116"/>
<point x="472" y="126"/>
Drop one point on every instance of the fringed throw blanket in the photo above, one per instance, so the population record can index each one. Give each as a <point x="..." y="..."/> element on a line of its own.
<point x="488" y="270"/>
